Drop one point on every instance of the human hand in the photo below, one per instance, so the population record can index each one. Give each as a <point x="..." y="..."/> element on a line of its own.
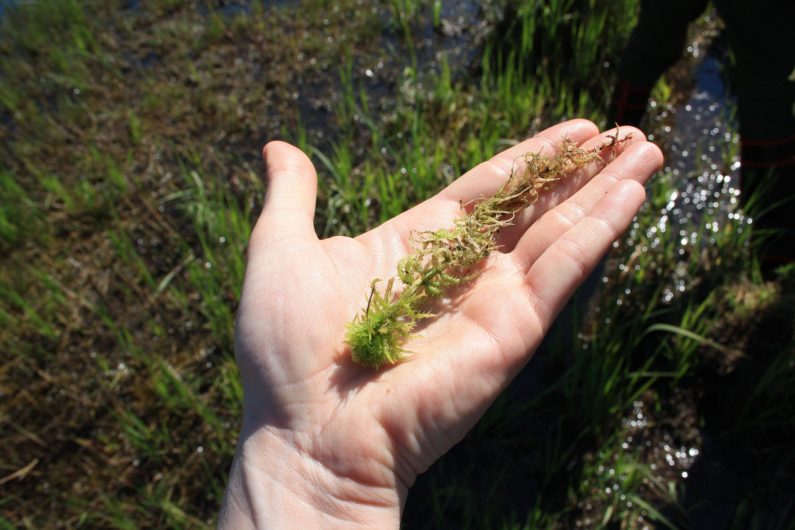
<point x="326" y="442"/>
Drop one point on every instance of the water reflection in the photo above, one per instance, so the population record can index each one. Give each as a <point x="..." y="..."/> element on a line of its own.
<point x="699" y="135"/>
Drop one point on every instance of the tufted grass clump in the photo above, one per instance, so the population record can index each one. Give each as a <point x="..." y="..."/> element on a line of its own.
<point x="445" y="258"/>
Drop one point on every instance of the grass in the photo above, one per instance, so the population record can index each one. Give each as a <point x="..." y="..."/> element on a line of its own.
<point x="129" y="180"/>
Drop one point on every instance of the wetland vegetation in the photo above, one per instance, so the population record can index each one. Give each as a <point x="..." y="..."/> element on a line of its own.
<point x="130" y="176"/>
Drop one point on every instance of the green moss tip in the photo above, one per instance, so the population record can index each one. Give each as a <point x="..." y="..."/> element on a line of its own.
<point x="371" y="347"/>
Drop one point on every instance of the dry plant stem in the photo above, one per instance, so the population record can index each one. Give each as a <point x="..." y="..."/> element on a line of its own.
<point x="444" y="258"/>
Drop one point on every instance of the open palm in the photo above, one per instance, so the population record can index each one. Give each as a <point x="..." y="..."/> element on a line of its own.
<point x="324" y="435"/>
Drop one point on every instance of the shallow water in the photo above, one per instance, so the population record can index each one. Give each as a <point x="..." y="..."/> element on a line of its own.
<point x="699" y="135"/>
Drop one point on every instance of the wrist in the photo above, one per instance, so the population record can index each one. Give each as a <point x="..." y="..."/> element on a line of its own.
<point x="275" y="484"/>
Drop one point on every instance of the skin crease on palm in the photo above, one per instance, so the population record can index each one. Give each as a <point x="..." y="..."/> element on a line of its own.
<point x="328" y="443"/>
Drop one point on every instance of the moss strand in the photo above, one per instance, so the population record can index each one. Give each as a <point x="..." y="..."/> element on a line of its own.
<point x="444" y="258"/>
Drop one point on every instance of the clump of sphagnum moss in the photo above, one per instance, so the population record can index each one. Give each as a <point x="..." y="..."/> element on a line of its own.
<point x="444" y="258"/>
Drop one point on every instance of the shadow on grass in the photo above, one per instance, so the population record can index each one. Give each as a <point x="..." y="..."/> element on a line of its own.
<point x="745" y="474"/>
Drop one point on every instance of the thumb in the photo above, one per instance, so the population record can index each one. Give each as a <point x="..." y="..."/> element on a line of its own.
<point x="289" y="208"/>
